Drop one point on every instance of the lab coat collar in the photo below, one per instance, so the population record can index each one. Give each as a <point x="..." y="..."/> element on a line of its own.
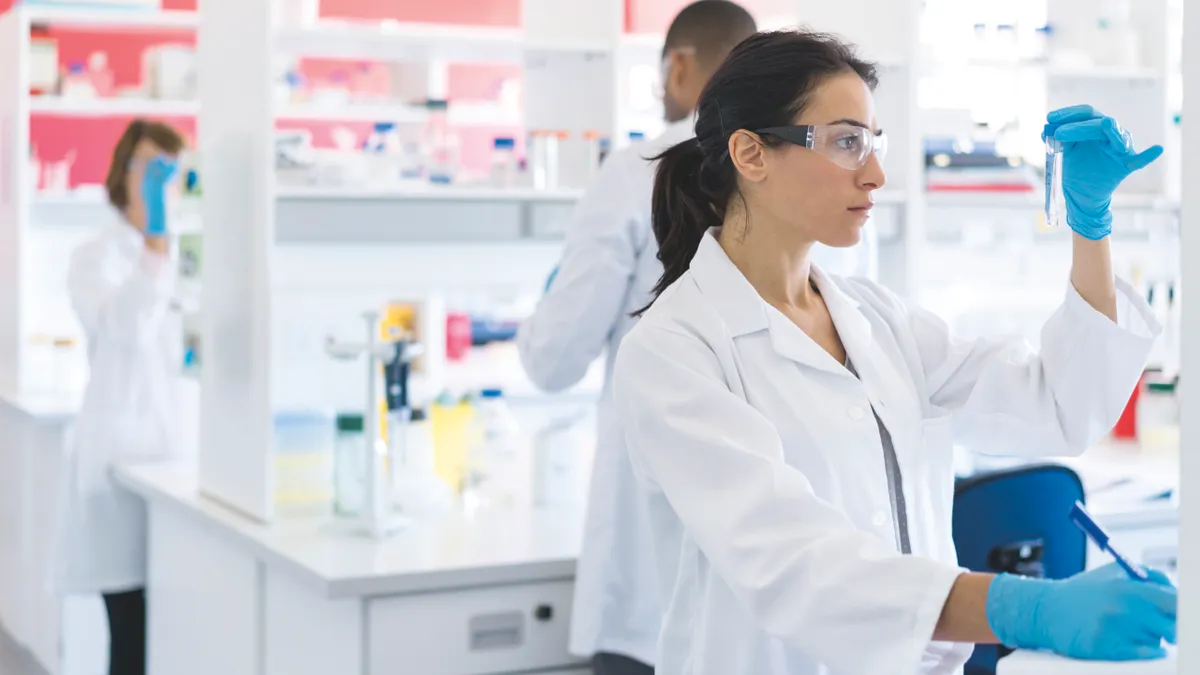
<point x="853" y="329"/>
<point x="722" y="283"/>
<point x="744" y="311"/>
<point x="124" y="232"/>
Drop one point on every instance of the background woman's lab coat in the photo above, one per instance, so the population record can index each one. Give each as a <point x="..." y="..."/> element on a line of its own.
<point x="608" y="267"/>
<point x="763" y="466"/>
<point x="131" y="408"/>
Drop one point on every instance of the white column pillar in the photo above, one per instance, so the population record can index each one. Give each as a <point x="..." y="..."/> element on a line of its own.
<point x="235" y="129"/>
<point x="1189" y="249"/>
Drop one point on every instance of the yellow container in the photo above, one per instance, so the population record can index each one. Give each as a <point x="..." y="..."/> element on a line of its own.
<point x="452" y="428"/>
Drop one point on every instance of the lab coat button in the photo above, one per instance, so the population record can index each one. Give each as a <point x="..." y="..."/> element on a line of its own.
<point x="879" y="519"/>
<point x="856" y="413"/>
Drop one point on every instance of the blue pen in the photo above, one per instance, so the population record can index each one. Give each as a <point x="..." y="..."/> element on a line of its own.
<point x="1100" y="538"/>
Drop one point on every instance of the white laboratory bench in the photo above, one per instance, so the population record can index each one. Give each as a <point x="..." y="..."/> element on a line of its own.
<point x="303" y="595"/>
<point x="452" y="594"/>
<point x="1038" y="663"/>
<point x="65" y="636"/>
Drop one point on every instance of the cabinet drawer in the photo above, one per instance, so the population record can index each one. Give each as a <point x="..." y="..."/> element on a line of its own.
<point x="498" y="629"/>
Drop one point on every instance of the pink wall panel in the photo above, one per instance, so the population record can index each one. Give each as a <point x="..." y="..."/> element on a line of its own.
<point x="91" y="139"/>
<point x="477" y="12"/>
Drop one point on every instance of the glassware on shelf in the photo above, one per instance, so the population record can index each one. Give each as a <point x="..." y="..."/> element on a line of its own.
<point x="598" y="147"/>
<point x="75" y="82"/>
<point x="504" y="162"/>
<point x="543" y="155"/>
<point x="441" y="142"/>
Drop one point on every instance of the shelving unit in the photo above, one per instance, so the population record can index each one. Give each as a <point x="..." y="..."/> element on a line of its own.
<point x="576" y="64"/>
<point x="109" y="107"/>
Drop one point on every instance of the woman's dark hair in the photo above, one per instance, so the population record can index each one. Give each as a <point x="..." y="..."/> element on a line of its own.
<point x="764" y="82"/>
<point x="162" y="135"/>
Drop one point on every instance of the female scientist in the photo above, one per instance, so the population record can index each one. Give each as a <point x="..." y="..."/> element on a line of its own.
<point x="792" y="430"/>
<point x="121" y="285"/>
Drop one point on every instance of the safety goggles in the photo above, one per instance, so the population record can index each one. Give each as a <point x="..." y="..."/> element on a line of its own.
<point x="846" y="145"/>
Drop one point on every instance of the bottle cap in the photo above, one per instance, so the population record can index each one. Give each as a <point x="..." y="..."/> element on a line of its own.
<point x="504" y="143"/>
<point x="491" y="393"/>
<point x="352" y="422"/>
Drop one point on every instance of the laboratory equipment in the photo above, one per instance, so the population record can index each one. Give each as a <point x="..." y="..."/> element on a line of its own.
<point x="375" y="518"/>
<point x="441" y="143"/>
<point x="492" y="459"/>
<point x="597" y="146"/>
<point x="1056" y="205"/>
<point x="544" y="157"/>
<point x="1097" y="157"/>
<point x="384" y="153"/>
<point x="43" y="64"/>
<point x="504" y="162"/>
<point x="417" y="487"/>
<point x="1040" y="663"/>
<point x="99" y="74"/>
<point x="350" y="465"/>
<point x="637" y="136"/>
<point x="169" y="72"/>
<point x="75" y="83"/>
<point x="304" y="444"/>
<point x="1158" y="417"/>
<point x="1099" y="537"/>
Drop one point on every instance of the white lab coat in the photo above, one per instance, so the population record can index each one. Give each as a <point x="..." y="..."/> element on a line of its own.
<point x="606" y="272"/>
<point x="763" y="469"/>
<point x="121" y="294"/>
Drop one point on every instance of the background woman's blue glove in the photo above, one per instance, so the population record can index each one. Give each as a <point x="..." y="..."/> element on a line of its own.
<point x="1101" y="614"/>
<point x="1097" y="155"/>
<point x="159" y="173"/>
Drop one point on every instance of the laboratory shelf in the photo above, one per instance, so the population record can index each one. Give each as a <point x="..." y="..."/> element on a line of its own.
<point x="430" y="193"/>
<point x="1056" y="70"/>
<point x="123" y="19"/>
<point x="460" y="114"/>
<point x="396" y="41"/>
<point x="110" y="107"/>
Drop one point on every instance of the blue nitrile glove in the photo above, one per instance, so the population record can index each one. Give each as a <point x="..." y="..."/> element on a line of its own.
<point x="1100" y="615"/>
<point x="1097" y="155"/>
<point x="159" y="173"/>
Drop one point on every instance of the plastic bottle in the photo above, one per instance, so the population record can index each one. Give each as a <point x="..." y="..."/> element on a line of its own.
<point x="350" y="465"/>
<point x="504" y="162"/>
<point x="442" y="143"/>
<point x="1056" y="204"/>
<point x="491" y="475"/>
<point x="415" y="483"/>
<point x="544" y="155"/>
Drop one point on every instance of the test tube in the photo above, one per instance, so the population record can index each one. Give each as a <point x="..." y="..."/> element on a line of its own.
<point x="1056" y="207"/>
<point x="553" y="145"/>
<point x="537" y="158"/>
<point x="597" y="149"/>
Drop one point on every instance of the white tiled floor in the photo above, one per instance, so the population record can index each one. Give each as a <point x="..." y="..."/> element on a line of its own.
<point x="14" y="660"/>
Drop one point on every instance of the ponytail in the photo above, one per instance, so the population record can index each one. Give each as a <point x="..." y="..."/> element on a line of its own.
<point x="690" y="194"/>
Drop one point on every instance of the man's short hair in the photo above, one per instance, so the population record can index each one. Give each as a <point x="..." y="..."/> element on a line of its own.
<point x="710" y="27"/>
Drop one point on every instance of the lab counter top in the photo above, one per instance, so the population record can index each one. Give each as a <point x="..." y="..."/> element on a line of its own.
<point x="44" y="405"/>
<point x="450" y="551"/>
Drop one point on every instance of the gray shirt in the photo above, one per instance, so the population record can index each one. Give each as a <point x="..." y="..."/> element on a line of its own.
<point x="894" y="481"/>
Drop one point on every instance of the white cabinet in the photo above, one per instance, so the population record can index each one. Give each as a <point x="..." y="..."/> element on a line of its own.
<point x="499" y="629"/>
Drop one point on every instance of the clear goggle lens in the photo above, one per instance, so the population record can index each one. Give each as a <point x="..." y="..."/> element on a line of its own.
<point x="847" y="145"/>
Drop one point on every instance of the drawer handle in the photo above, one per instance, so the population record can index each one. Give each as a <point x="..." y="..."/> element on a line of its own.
<point x="543" y="612"/>
<point x="496" y="631"/>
